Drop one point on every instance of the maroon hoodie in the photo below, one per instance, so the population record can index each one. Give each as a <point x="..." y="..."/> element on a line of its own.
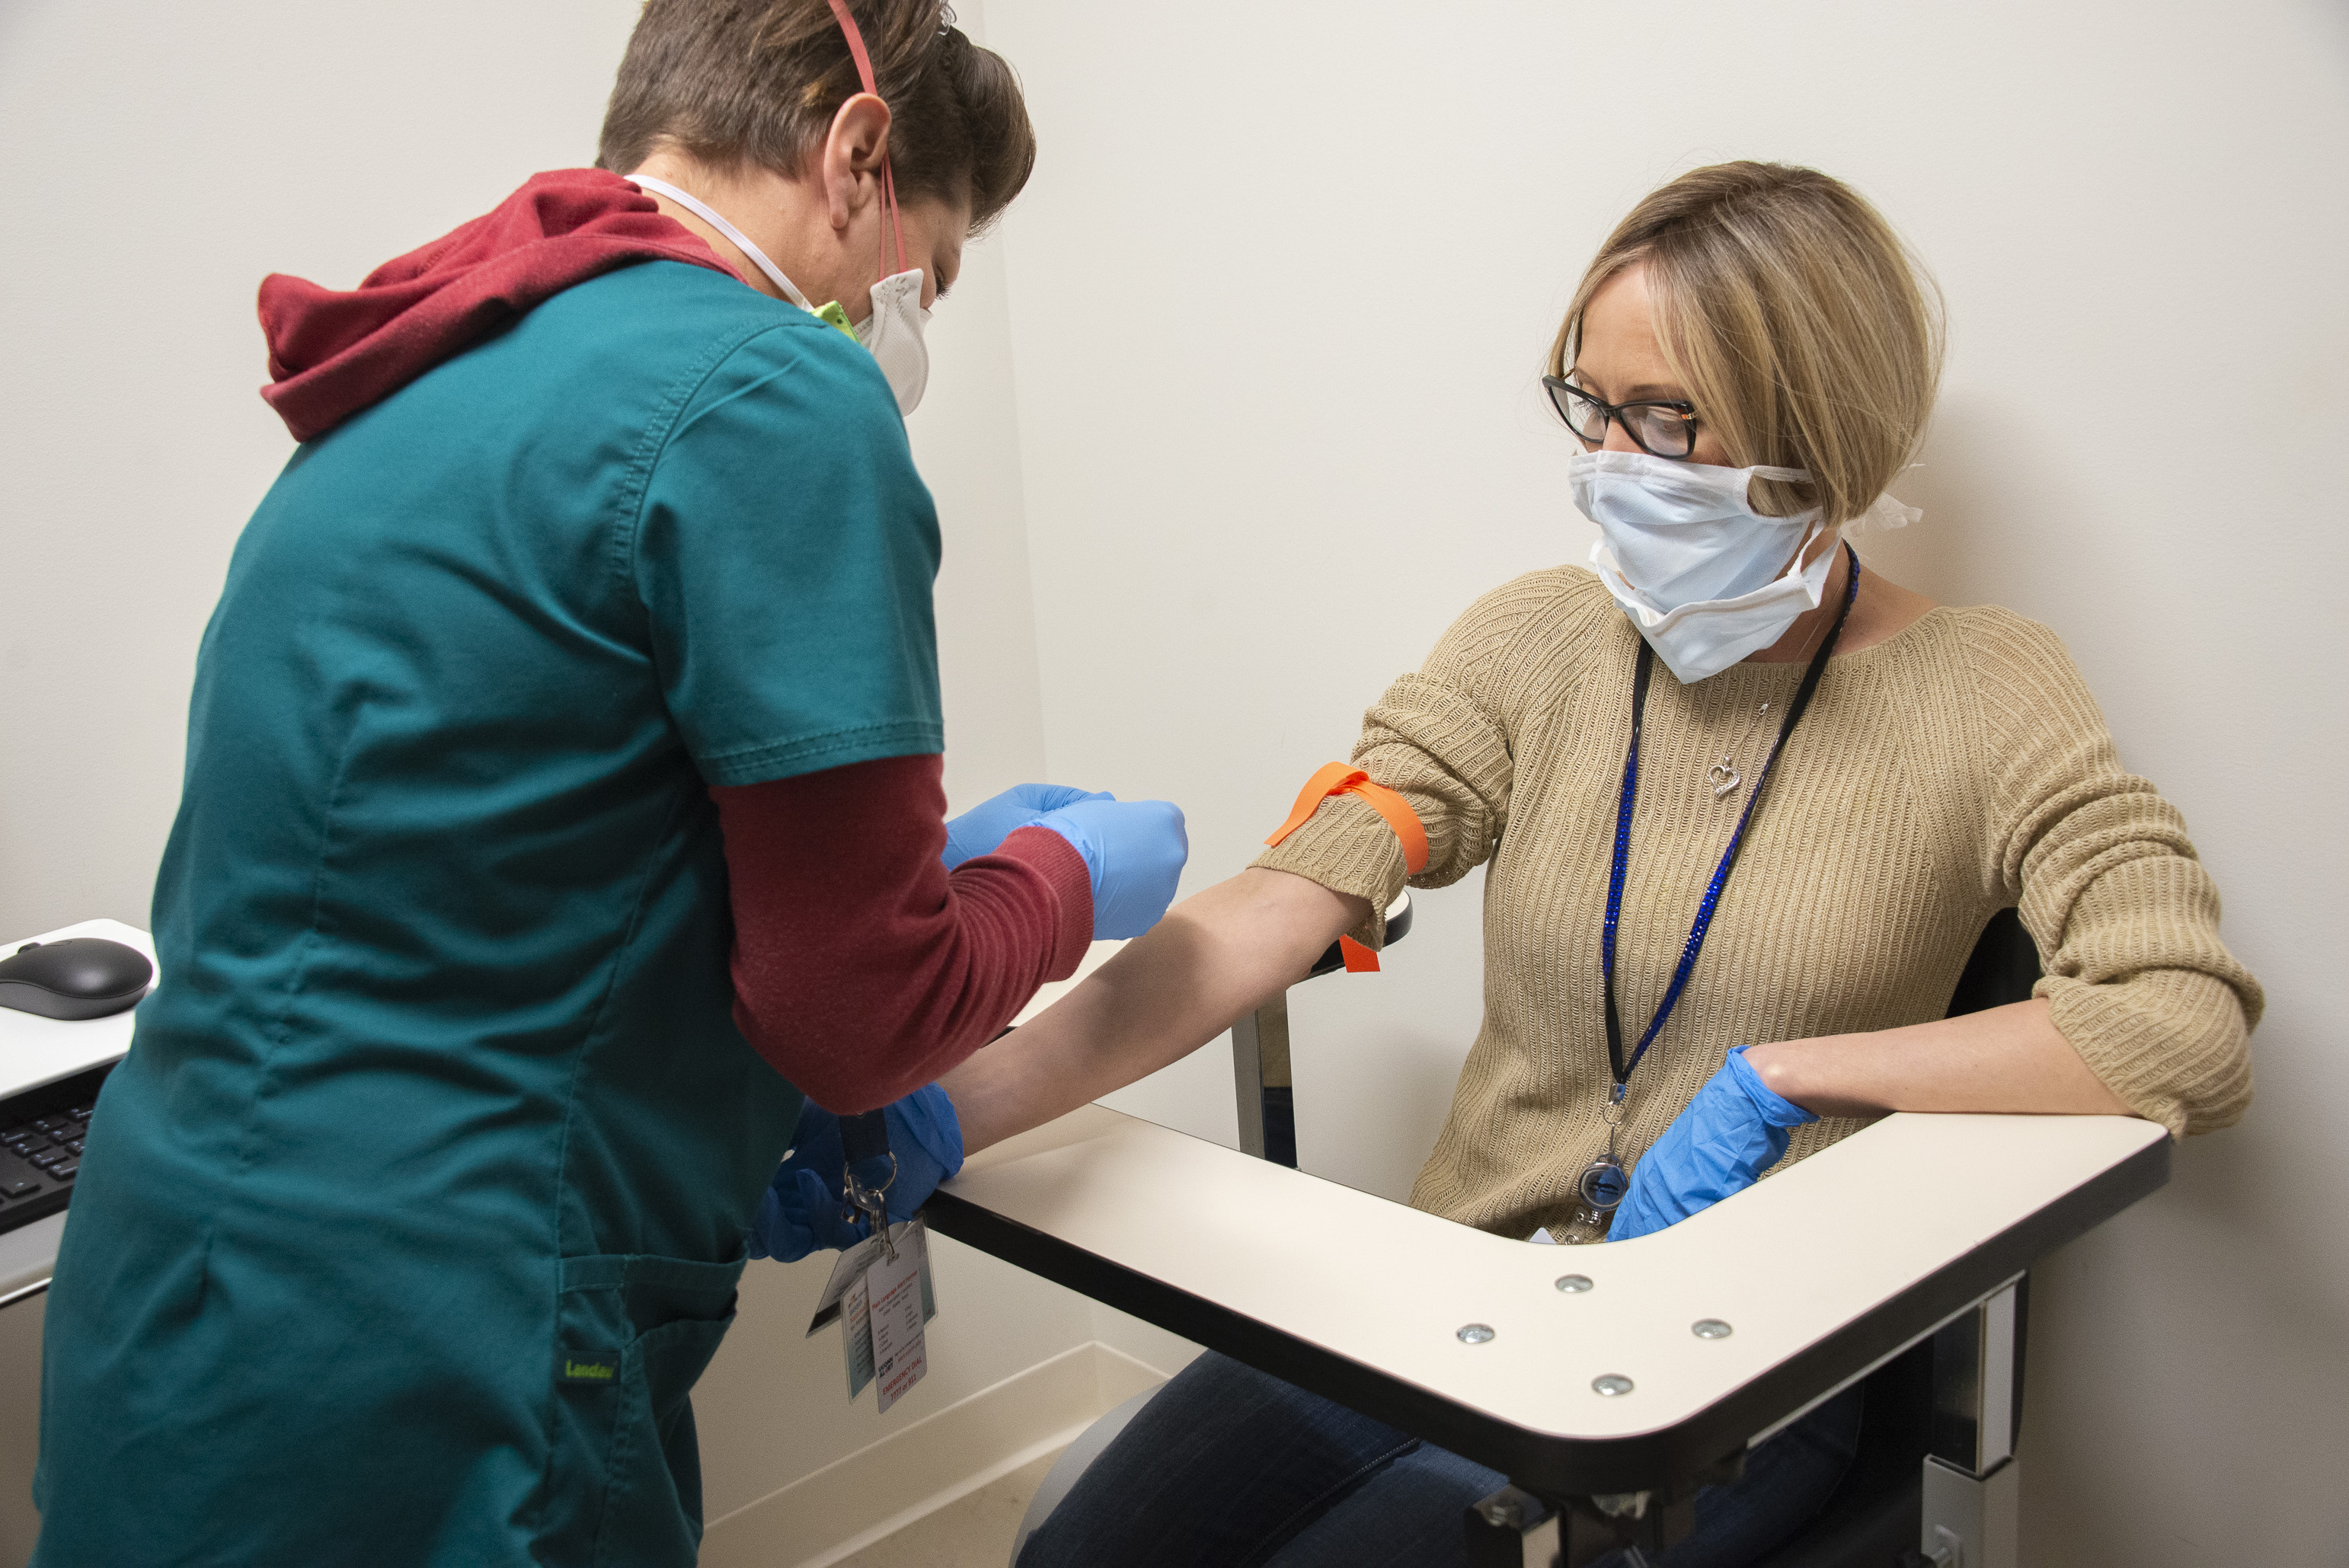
<point x="333" y="353"/>
<point x="863" y="968"/>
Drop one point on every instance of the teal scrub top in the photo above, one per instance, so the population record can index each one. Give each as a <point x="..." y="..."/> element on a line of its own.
<point x="420" y="1201"/>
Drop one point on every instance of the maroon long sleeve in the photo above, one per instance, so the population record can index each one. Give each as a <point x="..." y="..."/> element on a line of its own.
<point x="863" y="968"/>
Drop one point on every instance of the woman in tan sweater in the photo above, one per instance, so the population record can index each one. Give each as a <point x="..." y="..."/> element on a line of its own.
<point x="1730" y="691"/>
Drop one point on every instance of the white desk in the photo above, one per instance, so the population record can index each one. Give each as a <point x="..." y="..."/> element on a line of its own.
<point x="35" y="1051"/>
<point x="1822" y="1272"/>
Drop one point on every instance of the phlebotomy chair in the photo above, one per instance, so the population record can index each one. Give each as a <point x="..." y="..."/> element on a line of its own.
<point x="1609" y="1383"/>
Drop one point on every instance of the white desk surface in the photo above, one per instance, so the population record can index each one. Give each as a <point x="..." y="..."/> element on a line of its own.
<point x="28" y="1254"/>
<point x="1787" y="1263"/>
<point x="36" y="1050"/>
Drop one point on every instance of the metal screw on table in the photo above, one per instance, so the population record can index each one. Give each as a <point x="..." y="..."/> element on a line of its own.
<point x="1574" y="1285"/>
<point x="1709" y="1328"/>
<point x="1476" y="1333"/>
<point x="1612" y="1384"/>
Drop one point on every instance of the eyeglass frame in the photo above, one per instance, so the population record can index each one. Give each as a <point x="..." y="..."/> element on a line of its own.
<point x="1613" y="415"/>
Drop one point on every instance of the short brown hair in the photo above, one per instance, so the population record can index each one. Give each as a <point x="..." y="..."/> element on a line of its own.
<point x="1799" y="323"/>
<point x="730" y="82"/>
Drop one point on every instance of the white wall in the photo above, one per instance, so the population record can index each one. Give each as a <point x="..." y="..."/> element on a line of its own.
<point x="162" y="158"/>
<point x="1279" y="294"/>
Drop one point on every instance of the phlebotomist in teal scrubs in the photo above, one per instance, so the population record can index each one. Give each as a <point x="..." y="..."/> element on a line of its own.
<point x="562" y="801"/>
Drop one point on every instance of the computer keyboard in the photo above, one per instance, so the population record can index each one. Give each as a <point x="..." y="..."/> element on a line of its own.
<point x="41" y="1133"/>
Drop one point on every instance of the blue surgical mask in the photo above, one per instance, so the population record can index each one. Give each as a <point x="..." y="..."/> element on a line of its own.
<point x="1684" y="533"/>
<point x="1705" y="578"/>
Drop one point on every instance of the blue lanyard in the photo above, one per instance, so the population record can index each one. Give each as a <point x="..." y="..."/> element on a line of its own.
<point x="1621" y="1068"/>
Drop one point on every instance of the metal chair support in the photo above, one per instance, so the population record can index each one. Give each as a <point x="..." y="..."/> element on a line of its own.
<point x="1263" y="1089"/>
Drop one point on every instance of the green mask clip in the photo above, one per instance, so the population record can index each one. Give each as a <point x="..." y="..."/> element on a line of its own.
<point x="831" y="316"/>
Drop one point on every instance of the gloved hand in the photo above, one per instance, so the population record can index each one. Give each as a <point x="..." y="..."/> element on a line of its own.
<point x="1734" y="1130"/>
<point x="980" y="829"/>
<point x="1134" y="850"/>
<point x="801" y="1209"/>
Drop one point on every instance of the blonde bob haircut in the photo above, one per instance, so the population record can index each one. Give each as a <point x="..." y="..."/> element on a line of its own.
<point x="1797" y="321"/>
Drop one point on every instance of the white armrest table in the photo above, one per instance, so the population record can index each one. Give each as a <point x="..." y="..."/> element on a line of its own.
<point x="1588" y="1375"/>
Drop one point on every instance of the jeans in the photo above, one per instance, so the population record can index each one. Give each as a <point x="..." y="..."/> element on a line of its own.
<point x="1230" y="1468"/>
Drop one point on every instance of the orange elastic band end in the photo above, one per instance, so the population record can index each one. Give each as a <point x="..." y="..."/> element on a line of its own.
<point x="1337" y="779"/>
<point x="1359" y="960"/>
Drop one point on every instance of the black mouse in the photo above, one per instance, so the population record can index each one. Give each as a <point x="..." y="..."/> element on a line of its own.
<point x="80" y="978"/>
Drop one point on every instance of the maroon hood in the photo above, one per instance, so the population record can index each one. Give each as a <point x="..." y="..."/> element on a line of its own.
<point x="332" y="355"/>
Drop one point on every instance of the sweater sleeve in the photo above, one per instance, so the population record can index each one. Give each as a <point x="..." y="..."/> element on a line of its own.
<point x="863" y="968"/>
<point x="1439" y="737"/>
<point x="2107" y="883"/>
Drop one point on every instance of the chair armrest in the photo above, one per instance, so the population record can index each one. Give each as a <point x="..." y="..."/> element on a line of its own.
<point x="1821" y="1272"/>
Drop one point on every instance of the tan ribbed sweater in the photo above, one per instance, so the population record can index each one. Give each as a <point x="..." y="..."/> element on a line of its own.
<point x="1956" y="768"/>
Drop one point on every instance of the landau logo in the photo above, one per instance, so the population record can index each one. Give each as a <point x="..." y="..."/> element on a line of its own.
<point x="575" y="1370"/>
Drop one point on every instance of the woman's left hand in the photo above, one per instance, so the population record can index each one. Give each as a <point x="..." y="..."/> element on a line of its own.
<point x="1734" y="1130"/>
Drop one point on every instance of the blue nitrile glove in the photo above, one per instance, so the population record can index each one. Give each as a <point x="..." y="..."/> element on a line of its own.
<point x="1734" y="1130"/>
<point x="980" y="829"/>
<point x="1134" y="850"/>
<point x="800" y="1211"/>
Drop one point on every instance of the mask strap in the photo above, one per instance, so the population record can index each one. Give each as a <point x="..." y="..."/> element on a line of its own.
<point x="888" y="174"/>
<point x="710" y="215"/>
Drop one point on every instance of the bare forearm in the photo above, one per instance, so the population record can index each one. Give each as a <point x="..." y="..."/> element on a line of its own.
<point x="2007" y="1059"/>
<point x="1215" y="956"/>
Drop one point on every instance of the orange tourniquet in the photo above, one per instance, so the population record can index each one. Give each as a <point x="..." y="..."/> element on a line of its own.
<point x="1337" y="779"/>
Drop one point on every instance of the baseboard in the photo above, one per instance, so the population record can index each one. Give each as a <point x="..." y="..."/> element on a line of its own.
<point x="853" y="1502"/>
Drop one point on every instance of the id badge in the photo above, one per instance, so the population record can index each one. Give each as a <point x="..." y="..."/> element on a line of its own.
<point x="896" y="1289"/>
<point x="856" y="1309"/>
<point x="882" y="1306"/>
<point x="846" y="1270"/>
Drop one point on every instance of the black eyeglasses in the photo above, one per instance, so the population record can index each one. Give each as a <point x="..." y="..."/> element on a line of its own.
<point x="1661" y="430"/>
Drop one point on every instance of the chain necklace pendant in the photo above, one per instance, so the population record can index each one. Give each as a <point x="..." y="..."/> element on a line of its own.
<point x="1724" y="775"/>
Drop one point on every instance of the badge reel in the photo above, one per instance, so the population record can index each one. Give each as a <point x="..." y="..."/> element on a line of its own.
<point x="864" y="1138"/>
<point x="1604" y="1180"/>
<point x="870" y="1203"/>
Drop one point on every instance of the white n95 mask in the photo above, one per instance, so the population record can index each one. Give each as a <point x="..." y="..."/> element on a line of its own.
<point x="1705" y="578"/>
<point x="892" y="333"/>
